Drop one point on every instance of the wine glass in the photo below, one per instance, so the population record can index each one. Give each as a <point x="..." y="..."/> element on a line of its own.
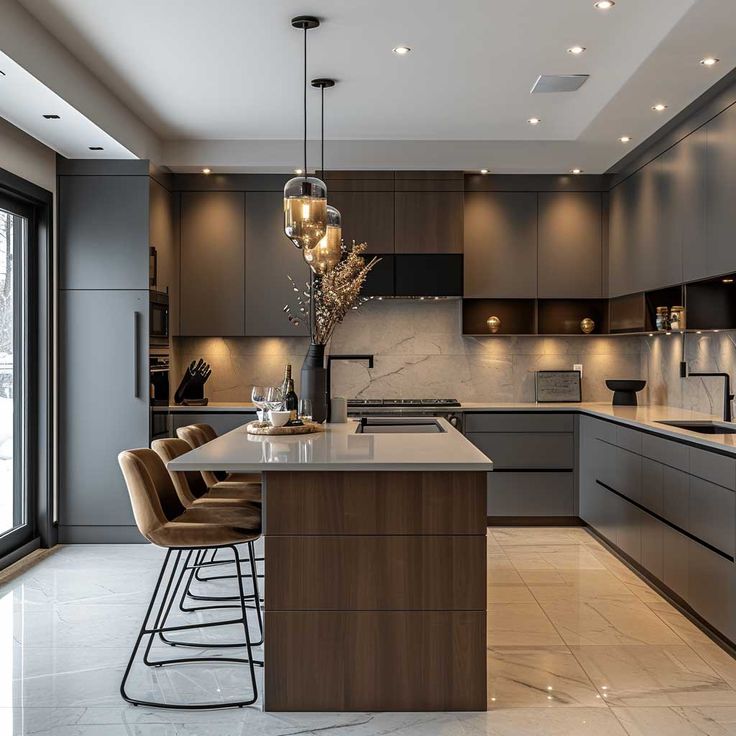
<point x="274" y="398"/>
<point x="258" y="397"/>
<point x="305" y="410"/>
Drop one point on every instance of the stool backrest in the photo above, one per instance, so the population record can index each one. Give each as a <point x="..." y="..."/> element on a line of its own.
<point x="152" y="493"/>
<point x="195" y="436"/>
<point x="189" y="484"/>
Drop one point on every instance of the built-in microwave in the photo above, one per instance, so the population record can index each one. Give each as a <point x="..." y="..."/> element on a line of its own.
<point x="159" y="318"/>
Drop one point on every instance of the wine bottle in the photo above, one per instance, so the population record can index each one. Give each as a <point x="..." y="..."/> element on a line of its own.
<point x="285" y="382"/>
<point x="291" y="400"/>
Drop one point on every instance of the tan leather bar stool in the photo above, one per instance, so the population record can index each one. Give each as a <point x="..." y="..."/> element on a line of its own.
<point x="184" y="533"/>
<point x="196" y="435"/>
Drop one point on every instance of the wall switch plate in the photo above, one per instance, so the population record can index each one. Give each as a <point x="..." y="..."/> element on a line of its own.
<point x="579" y="368"/>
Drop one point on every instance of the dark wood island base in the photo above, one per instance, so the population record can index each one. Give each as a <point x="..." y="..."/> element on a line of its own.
<point x="376" y="590"/>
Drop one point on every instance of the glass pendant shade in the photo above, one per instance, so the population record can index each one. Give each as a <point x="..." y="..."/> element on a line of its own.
<point x="328" y="252"/>
<point x="305" y="211"/>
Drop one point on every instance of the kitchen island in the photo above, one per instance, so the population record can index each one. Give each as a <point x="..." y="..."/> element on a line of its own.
<point x="375" y="562"/>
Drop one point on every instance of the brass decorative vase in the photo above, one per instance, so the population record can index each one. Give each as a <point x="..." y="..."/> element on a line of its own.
<point x="494" y="324"/>
<point x="587" y="325"/>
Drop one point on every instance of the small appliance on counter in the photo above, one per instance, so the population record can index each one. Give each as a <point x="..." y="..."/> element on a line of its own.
<point x="624" y="390"/>
<point x="191" y="387"/>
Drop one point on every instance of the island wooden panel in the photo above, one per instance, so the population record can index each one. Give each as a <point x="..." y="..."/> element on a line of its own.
<point x="299" y="503"/>
<point x="375" y="661"/>
<point x="396" y="572"/>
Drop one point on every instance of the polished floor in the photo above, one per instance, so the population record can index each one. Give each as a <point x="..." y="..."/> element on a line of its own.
<point x="577" y="644"/>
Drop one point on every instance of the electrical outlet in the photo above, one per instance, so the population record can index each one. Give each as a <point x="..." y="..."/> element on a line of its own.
<point x="579" y="368"/>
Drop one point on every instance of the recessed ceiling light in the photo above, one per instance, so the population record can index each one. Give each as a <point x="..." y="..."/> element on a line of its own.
<point x="604" y="4"/>
<point x="401" y="50"/>
<point x="206" y="171"/>
<point x="534" y="121"/>
<point x="298" y="172"/>
<point x="728" y="280"/>
<point x="625" y="138"/>
<point x="576" y="171"/>
<point x="576" y="50"/>
<point x="659" y="107"/>
<point x="96" y="148"/>
<point x="709" y="61"/>
<point x="52" y="116"/>
<point x="484" y="171"/>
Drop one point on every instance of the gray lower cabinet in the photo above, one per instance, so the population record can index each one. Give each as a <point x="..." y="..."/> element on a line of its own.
<point x="500" y="257"/>
<point x="212" y="296"/>
<point x="570" y="262"/>
<point x="675" y="566"/>
<point x="221" y="422"/>
<point x="269" y="258"/>
<point x="103" y="409"/>
<point x="531" y="494"/>
<point x="712" y="588"/>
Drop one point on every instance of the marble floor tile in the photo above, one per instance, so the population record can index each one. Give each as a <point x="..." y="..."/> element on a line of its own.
<point x="531" y="722"/>
<point x="533" y="536"/>
<point x="519" y="624"/>
<point x="575" y="585"/>
<point x="653" y="676"/>
<point x="678" y="721"/>
<point x="509" y="594"/>
<point x="678" y="622"/>
<point x="553" y="557"/>
<point x="610" y="620"/>
<point x="538" y="676"/>
<point x="501" y="572"/>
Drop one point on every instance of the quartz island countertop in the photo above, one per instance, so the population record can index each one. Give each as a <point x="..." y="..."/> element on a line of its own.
<point x="339" y="447"/>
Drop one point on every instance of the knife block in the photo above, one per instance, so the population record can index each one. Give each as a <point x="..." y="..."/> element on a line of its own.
<point x="191" y="390"/>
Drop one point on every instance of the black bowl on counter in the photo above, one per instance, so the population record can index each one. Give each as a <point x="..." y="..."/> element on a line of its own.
<point x="624" y="390"/>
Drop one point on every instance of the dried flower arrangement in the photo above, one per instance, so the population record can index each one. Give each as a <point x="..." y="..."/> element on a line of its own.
<point x="325" y="300"/>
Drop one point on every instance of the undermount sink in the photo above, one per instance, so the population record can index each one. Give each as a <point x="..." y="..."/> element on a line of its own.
<point x="398" y="425"/>
<point x="705" y="427"/>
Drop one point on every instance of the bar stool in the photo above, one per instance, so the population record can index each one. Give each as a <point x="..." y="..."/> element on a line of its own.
<point x="183" y="533"/>
<point x="196" y="435"/>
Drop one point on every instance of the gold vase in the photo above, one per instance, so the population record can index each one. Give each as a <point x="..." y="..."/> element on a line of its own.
<point x="494" y="324"/>
<point x="587" y="325"/>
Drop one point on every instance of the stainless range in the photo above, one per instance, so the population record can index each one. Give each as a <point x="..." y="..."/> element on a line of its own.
<point x="446" y="408"/>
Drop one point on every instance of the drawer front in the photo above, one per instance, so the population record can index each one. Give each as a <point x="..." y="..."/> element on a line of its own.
<point x="675" y="561"/>
<point x="652" y="540"/>
<point x="629" y="439"/>
<point x="619" y="469"/>
<point x="521" y="422"/>
<point x="221" y="421"/>
<point x="675" y="496"/>
<point x="665" y="451"/>
<point x="712" y="514"/>
<point x="398" y="573"/>
<point x="526" y="451"/>
<point x="651" y="485"/>
<point x="531" y="494"/>
<point x="603" y="430"/>
<point x="713" y="467"/>
<point x="390" y="502"/>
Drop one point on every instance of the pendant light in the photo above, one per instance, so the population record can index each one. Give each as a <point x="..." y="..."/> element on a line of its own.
<point x="328" y="252"/>
<point x="305" y="197"/>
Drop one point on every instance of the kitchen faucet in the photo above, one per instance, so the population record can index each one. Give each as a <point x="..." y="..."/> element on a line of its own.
<point x="727" y="395"/>
<point x="330" y="358"/>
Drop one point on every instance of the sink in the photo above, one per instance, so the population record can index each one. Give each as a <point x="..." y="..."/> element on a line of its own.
<point x="705" y="427"/>
<point x="398" y="425"/>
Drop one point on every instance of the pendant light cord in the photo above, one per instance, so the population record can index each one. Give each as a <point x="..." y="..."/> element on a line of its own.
<point x="305" y="102"/>
<point x="323" y="132"/>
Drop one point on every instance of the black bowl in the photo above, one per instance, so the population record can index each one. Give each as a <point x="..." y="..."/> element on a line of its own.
<point x="624" y="390"/>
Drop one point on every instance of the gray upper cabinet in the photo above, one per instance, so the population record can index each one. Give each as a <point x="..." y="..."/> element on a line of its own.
<point x="570" y="245"/>
<point x="428" y="222"/>
<point x="621" y="245"/>
<point x="367" y="217"/>
<point x="269" y="258"/>
<point x="103" y="232"/>
<point x="501" y="244"/>
<point x="686" y="222"/>
<point x="212" y="296"/>
<point x="721" y="192"/>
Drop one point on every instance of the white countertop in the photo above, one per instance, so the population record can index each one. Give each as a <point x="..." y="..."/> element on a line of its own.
<point x="338" y="448"/>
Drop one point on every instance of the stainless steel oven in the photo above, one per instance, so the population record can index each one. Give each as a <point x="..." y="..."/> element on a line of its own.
<point x="158" y="328"/>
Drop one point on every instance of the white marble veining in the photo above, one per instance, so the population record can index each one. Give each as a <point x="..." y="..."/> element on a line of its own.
<point x="339" y="447"/>
<point x="67" y="622"/>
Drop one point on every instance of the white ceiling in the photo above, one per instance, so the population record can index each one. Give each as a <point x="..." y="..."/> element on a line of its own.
<point x="202" y="73"/>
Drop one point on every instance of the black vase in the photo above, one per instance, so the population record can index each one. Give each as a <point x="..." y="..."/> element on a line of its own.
<point x="314" y="381"/>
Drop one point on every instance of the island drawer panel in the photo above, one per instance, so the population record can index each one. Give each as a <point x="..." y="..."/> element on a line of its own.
<point x="357" y="661"/>
<point x="390" y="502"/>
<point x="712" y="512"/>
<point x="521" y="422"/>
<point x="397" y="573"/>
<point x="665" y="451"/>
<point x="531" y="494"/>
<point x="527" y="450"/>
<point x="711" y="466"/>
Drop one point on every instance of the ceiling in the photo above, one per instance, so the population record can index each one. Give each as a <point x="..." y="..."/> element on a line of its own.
<point x="203" y="73"/>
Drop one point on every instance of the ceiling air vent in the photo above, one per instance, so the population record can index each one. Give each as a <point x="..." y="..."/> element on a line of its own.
<point x="559" y="82"/>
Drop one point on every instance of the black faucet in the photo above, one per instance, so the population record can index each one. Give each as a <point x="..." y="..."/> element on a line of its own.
<point x="330" y="358"/>
<point x="727" y="395"/>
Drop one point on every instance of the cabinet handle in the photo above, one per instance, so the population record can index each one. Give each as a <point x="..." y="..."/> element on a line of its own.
<point x="136" y="355"/>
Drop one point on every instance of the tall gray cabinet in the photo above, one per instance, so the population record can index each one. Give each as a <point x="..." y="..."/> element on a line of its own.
<point x="104" y="239"/>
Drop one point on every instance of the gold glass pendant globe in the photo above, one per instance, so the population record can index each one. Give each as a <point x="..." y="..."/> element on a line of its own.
<point x="587" y="325"/>
<point x="305" y="211"/>
<point x="326" y="255"/>
<point x="494" y="324"/>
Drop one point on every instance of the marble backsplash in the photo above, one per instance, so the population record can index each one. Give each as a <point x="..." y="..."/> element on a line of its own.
<point x="419" y="352"/>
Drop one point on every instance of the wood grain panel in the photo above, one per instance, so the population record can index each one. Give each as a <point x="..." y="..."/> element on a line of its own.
<point x="379" y="573"/>
<point x="429" y="222"/>
<point x="407" y="502"/>
<point x="375" y="661"/>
